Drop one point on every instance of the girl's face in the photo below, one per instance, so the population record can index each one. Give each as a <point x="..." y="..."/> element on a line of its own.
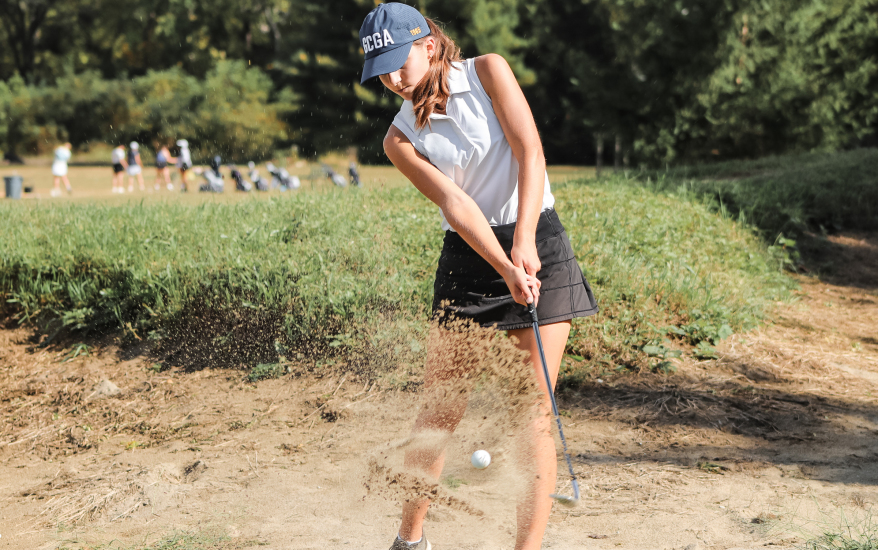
<point x="404" y="81"/>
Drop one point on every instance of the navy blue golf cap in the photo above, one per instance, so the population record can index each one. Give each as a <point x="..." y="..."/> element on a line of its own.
<point x="387" y="35"/>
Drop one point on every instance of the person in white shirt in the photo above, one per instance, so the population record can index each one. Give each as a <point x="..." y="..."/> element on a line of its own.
<point x="119" y="165"/>
<point x="184" y="163"/>
<point x="59" y="169"/>
<point x="466" y="139"/>
<point x="135" y="167"/>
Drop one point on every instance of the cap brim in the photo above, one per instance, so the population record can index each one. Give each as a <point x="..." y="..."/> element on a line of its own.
<point x="386" y="62"/>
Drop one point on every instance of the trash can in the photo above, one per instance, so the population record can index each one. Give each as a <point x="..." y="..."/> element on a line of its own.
<point x="13" y="186"/>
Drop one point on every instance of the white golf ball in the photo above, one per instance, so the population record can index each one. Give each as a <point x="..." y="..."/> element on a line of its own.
<point x="480" y="459"/>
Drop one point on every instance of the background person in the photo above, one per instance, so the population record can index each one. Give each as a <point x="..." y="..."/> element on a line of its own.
<point x="495" y="207"/>
<point x="135" y="167"/>
<point x="163" y="173"/>
<point x="184" y="163"/>
<point x="59" y="169"/>
<point x="117" y="157"/>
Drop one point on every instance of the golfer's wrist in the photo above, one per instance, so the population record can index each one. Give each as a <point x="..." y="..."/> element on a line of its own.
<point x="507" y="269"/>
<point x="525" y="238"/>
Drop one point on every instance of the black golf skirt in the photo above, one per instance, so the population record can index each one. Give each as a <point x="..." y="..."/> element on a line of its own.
<point x="468" y="287"/>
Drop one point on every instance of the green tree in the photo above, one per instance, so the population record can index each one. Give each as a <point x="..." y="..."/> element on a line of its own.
<point x="5" y="95"/>
<point x="192" y="35"/>
<point x="23" y="22"/>
<point x="795" y="76"/>
<point x="164" y="107"/>
<point x="671" y="47"/>
<point x="582" y="88"/>
<point x="18" y="127"/>
<point x="485" y="26"/>
<point x="321" y="60"/>
<point x="235" y="117"/>
<point x="85" y="107"/>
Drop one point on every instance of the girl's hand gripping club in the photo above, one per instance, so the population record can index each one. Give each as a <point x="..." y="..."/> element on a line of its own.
<point x="565" y="500"/>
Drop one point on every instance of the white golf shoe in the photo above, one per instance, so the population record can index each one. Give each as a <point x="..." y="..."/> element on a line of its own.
<point x="422" y="544"/>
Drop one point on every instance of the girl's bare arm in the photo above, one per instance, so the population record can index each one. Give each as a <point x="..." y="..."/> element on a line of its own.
<point x="520" y="129"/>
<point x="462" y="213"/>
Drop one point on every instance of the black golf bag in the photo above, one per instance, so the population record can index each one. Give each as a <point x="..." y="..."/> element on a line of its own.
<point x="240" y="183"/>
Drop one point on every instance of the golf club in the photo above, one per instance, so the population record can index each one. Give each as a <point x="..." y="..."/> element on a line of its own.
<point x="565" y="500"/>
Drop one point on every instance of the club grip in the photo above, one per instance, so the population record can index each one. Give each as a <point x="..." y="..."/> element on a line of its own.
<point x="533" y="312"/>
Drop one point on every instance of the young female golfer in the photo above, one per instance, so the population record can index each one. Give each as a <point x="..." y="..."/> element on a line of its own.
<point x="59" y="169"/>
<point x="465" y="137"/>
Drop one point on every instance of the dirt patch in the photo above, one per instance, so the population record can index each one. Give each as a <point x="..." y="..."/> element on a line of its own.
<point x="765" y="446"/>
<point x="850" y="259"/>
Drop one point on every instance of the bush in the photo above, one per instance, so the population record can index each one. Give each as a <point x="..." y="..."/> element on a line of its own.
<point x="349" y="275"/>
<point x="229" y="113"/>
<point x="18" y="129"/>
<point x="832" y="191"/>
<point x="665" y="270"/>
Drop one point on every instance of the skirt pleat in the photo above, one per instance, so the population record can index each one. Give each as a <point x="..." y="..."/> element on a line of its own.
<point x="468" y="287"/>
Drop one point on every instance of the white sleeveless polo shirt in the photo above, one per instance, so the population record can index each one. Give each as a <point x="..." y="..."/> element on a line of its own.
<point x="468" y="145"/>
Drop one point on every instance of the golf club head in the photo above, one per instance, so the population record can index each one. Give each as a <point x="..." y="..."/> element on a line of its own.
<point x="570" y="502"/>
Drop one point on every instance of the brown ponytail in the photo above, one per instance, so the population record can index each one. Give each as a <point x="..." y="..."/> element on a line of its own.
<point x="433" y="90"/>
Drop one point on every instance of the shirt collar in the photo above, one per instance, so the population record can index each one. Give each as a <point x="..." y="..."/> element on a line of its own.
<point x="457" y="80"/>
<point x="458" y="83"/>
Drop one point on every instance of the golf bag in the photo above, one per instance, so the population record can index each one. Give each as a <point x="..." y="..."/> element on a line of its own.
<point x="259" y="183"/>
<point x="240" y="183"/>
<point x="282" y="179"/>
<point x="334" y="176"/>
<point x="276" y="179"/>
<point x="213" y="184"/>
<point x="355" y="175"/>
<point x="290" y="182"/>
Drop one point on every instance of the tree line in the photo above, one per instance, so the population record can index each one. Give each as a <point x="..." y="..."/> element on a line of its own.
<point x="645" y="82"/>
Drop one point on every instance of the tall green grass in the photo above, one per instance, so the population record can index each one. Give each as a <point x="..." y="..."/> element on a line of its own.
<point x="829" y="191"/>
<point x="348" y="275"/>
<point x="666" y="270"/>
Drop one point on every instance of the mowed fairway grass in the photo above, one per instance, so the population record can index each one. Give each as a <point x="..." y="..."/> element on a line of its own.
<point x="95" y="182"/>
<point x="345" y="275"/>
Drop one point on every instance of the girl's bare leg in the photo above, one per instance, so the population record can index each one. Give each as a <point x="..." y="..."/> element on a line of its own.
<point x="442" y="412"/>
<point x="538" y="443"/>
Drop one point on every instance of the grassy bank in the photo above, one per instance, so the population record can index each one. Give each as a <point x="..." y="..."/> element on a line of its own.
<point x="348" y="276"/>
<point x="815" y="191"/>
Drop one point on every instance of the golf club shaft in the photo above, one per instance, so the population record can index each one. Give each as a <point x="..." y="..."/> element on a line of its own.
<point x="551" y="390"/>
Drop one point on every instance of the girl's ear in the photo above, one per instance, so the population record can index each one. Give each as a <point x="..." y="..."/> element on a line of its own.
<point x="430" y="46"/>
